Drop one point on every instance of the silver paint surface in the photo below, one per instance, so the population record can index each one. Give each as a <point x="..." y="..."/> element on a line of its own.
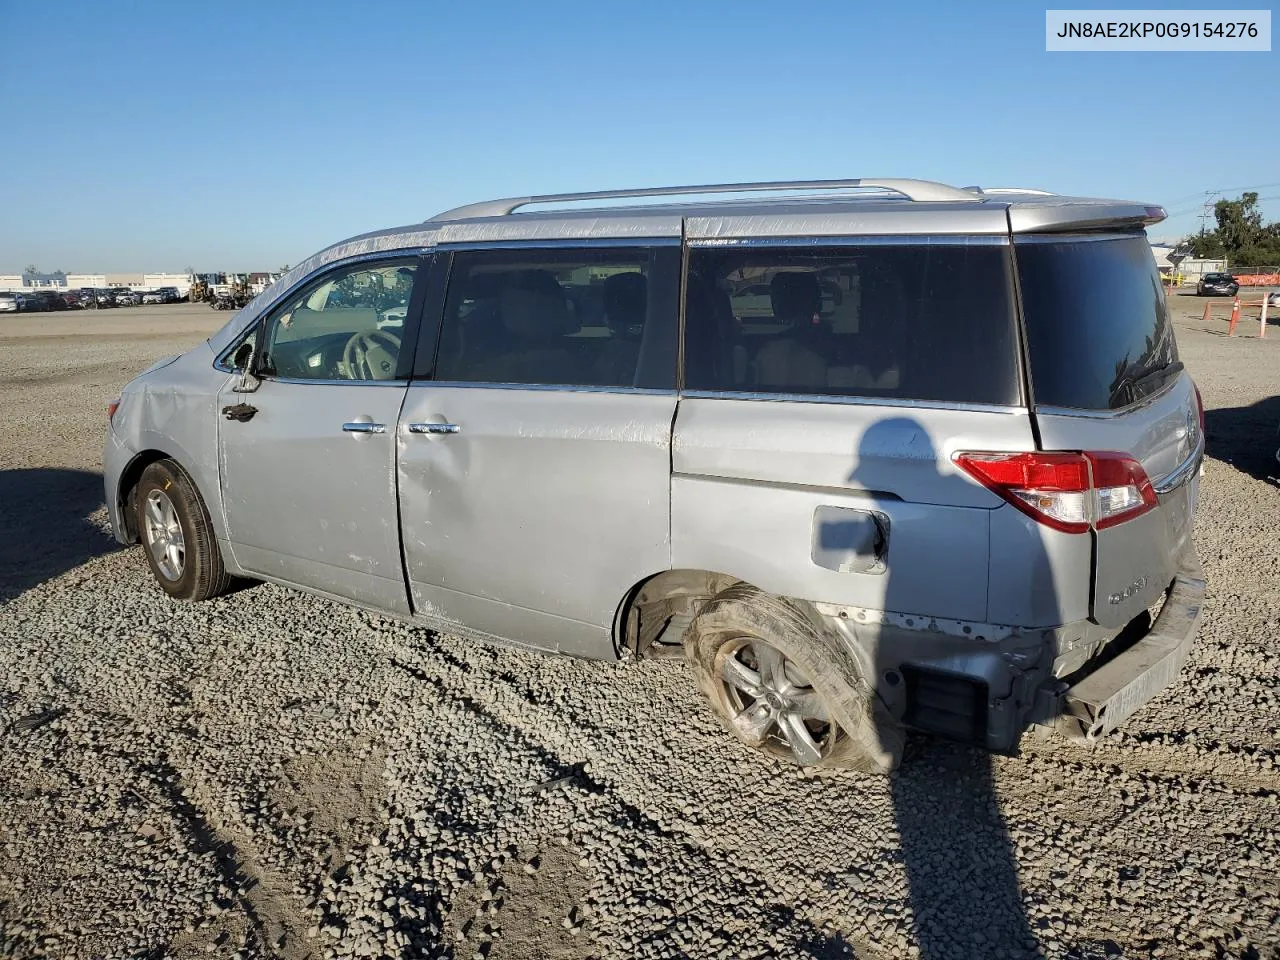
<point x="540" y="513"/>
<point x="306" y="501"/>
<point x="1159" y="434"/>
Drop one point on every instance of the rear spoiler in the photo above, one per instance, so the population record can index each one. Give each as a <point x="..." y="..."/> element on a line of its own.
<point x="1059" y="215"/>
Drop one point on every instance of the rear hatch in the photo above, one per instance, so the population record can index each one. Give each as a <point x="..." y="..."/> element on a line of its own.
<point x="1106" y="380"/>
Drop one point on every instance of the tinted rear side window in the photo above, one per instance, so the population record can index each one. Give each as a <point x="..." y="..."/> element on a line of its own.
<point x="1097" y="328"/>
<point x="568" y="317"/>
<point x="922" y="321"/>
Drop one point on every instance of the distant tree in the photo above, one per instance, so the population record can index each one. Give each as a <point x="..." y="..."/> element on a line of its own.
<point x="32" y="271"/>
<point x="1239" y="221"/>
<point x="1241" y="236"/>
<point x="1205" y="245"/>
<point x="1264" y="254"/>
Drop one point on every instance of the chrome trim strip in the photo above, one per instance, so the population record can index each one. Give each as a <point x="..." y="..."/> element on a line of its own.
<point x="1108" y="414"/>
<point x="338" y="383"/>
<point x="542" y="387"/>
<point x="1070" y="237"/>
<point x="1182" y="472"/>
<point x="870" y="239"/>
<point x="559" y="243"/>
<point x="854" y="401"/>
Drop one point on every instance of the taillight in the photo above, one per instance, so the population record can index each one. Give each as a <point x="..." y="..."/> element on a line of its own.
<point x="112" y="407"/>
<point x="1070" y="492"/>
<point x="1121" y="489"/>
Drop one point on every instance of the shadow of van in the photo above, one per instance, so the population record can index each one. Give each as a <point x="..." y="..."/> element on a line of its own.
<point x="959" y="859"/>
<point x="44" y="516"/>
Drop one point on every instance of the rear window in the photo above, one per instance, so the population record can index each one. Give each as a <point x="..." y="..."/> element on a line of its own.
<point x="1098" y="330"/>
<point x="924" y="321"/>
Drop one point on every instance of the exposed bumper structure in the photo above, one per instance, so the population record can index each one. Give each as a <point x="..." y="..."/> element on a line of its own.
<point x="987" y="683"/>
<point x="1097" y="703"/>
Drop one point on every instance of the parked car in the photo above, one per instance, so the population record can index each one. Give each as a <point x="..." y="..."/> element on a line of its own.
<point x="11" y="302"/>
<point x="850" y="513"/>
<point x="102" y="298"/>
<point x="126" y="297"/>
<point x="34" y="303"/>
<point x="1273" y="301"/>
<point x="161" y="295"/>
<point x="49" y="299"/>
<point x="1217" y="285"/>
<point x="73" y="300"/>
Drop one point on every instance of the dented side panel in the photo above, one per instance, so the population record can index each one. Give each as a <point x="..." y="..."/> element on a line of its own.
<point x="306" y="501"/>
<point x="171" y="409"/>
<point x="538" y="515"/>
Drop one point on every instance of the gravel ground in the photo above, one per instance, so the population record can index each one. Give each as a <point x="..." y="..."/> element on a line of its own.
<point x="273" y="775"/>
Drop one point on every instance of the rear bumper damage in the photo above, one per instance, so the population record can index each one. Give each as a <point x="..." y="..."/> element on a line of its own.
<point x="988" y="683"/>
<point x="1098" y="701"/>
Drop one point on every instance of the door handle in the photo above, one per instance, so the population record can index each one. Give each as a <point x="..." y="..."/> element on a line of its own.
<point x="240" y="412"/>
<point x="434" y="428"/>
<point x="361" y="426"/>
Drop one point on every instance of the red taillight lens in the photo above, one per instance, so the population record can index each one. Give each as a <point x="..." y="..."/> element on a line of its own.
<point x="1048" y="487"/>
<point x="1122" y="490"/>
<point x="112" y="407"/>
<point x="1070" y="492"/>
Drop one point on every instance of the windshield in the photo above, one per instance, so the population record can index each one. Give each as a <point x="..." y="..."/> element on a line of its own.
<point x="1098" y="329"/>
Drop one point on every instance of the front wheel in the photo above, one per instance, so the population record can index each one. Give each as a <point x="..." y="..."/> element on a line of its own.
<point x="177" y="534"/>
<point x="787" y="688"/>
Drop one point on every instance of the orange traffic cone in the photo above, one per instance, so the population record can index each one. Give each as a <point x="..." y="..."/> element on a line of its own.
<point x="1235" y="317"/>
<point x="1208" y="308"/>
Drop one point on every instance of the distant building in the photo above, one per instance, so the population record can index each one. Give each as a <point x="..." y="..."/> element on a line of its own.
<point x="1171" y="263"/>
<point x="134" y="281"/>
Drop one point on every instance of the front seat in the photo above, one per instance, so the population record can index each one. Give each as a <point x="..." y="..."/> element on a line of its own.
<point x="796" y="359"/>
<point x="625" y="305"/>
<point x="535" y="318"/>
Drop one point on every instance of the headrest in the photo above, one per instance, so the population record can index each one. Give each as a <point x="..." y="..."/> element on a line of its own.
<point x="534" y="306"/>
<point x="625" y="302"/>
<point x="796" y="297"/>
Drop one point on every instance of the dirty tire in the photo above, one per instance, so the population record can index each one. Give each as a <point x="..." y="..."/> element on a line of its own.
<point x="868" y="738"/>
<point x="203" y="575"/>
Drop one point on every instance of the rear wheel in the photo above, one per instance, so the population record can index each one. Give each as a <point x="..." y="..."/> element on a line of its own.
<point x="177" y="534"/>
<point x="785" y="687"/>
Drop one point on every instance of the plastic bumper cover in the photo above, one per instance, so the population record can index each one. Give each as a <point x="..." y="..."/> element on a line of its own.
<point x="1097" y="703"/>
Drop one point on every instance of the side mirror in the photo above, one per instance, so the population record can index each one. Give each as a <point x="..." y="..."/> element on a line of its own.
<point x="240" y="361"/>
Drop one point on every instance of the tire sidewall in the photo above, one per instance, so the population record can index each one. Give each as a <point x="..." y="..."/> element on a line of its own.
<point x="872" y="740"/>
<point x="167" y="477"/>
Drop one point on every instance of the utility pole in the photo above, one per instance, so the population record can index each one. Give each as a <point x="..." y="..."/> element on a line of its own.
<point x="1210" y="198"/>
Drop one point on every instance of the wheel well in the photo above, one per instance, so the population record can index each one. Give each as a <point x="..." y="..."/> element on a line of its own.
<point x="651" y="604"/>
<point x="128" y="486"/>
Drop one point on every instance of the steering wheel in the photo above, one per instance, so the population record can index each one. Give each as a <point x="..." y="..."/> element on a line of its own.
<point x="371" y="355"/>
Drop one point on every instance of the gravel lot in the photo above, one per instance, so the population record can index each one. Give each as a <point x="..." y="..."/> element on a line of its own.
<point x="273" y="775"/>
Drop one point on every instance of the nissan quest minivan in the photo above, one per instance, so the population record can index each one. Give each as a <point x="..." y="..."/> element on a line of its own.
<point x="875" y="454"/>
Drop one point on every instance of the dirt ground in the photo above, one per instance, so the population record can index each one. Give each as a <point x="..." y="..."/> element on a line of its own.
<point x="273" y="775"/>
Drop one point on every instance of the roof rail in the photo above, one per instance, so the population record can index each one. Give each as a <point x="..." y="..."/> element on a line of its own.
<point x="918" y="190"/>
<point x="1024" y="190"/>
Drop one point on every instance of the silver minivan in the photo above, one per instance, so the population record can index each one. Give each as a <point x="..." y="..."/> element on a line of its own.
<point x="871" y="454"/>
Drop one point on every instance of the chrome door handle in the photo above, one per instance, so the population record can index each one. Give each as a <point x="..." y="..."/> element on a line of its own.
<point x="362" y="427"/>
<point x="434" y="428"/>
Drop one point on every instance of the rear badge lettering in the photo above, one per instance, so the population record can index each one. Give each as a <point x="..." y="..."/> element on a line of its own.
<point x="1131" y="590"/>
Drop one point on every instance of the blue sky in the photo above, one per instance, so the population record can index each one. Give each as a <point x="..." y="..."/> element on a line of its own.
<point x="152" y="136"/>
